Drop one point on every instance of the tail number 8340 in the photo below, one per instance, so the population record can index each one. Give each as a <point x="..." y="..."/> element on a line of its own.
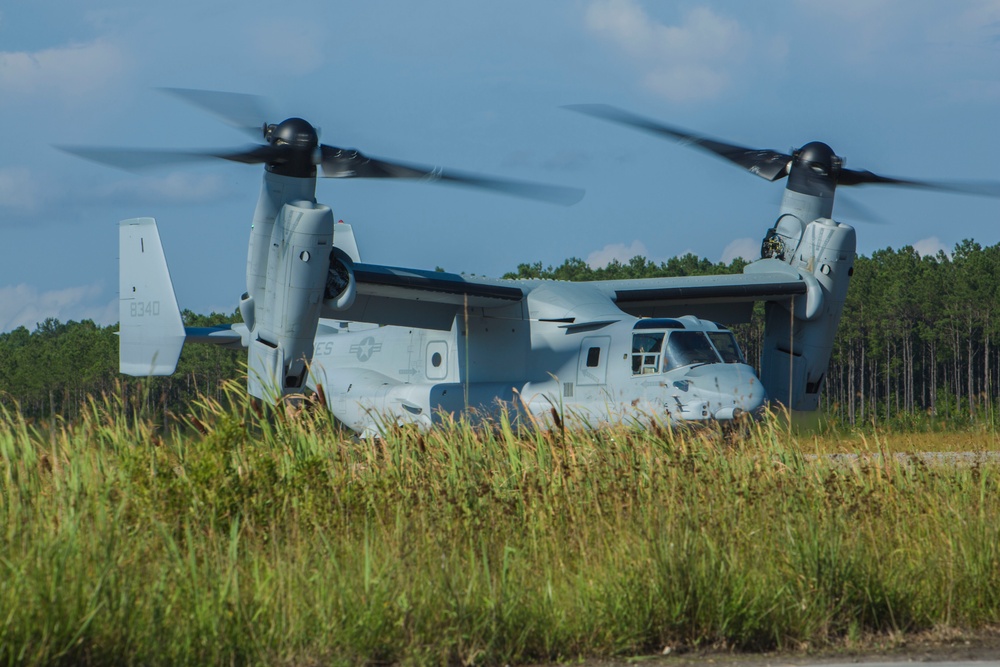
<point x="144" y="308"/>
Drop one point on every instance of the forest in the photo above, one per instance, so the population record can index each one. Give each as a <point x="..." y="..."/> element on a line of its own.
<point x="55" y="369"/>
<point x="918" y="340"/>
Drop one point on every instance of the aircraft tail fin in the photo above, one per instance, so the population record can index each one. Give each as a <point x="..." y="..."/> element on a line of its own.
<point x="151" y="330"/>
<point x="343" y="238"/>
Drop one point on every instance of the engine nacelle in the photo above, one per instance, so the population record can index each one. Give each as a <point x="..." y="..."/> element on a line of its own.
<point x="341" y="286"/>
<point x="285" y="317"/>
<point x="275" y="192"/>
<point x="798" y="337"/>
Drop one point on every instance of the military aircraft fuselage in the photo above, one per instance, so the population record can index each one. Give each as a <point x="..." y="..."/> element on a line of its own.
<point x="626" y="370"/>
<point x="391" y="345"/>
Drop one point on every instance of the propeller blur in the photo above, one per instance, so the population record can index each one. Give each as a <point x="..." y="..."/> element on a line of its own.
<point x="386" y="345"/>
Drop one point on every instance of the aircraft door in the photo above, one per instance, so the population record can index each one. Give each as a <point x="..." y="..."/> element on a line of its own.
<point x="592" y="366"/>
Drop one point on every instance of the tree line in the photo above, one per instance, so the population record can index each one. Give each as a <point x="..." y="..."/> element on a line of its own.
<point x="919" y="337"/>
<point x="58" y="367"/>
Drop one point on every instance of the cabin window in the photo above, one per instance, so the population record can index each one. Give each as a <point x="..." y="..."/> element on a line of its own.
<point x="436" y="360"/>
<point x="646" y="347"/>
<point x="727" y="347"/>
<point x="593" y="357"/>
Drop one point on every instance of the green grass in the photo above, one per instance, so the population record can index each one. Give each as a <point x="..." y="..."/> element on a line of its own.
<point x="231" y="538"/>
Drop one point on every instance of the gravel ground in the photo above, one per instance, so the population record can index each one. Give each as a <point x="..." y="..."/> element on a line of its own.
<point x="949" y="646"/>
<point x="930" y="458"/>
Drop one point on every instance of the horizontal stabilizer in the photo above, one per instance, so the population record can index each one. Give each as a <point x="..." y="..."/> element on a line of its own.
<point x="230" y="336"/>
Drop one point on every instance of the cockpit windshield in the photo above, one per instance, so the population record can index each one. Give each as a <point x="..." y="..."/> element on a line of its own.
<point x="727" y="346"/>
<point x="685" y="348"/>
<point x="677" y="347"/>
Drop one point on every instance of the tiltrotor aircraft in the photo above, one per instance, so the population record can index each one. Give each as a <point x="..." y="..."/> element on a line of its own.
<point x="385" y="345"/>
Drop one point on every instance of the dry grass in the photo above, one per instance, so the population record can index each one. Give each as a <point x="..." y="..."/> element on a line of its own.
<point x="244" y="538"/>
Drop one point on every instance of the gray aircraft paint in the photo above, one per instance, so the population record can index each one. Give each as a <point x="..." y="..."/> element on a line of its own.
<point x="519" y="344"/>
<point x="151" y="330"/>
<point x="438" y="336"/>
<point x="389" y="375"/>
<point x="396" y="345"/>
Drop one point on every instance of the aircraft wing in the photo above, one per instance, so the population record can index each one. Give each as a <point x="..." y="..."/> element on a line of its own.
<point x="426" y="299"/>
<point x="725" y="298"/>
<point x="432" y="299"/>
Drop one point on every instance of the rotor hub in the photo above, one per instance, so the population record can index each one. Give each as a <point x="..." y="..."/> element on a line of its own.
<point x="296" y="142"/>
<point x="818" y="158"/>
<point x="294" y="132"/>
<point x="814" y="170"/>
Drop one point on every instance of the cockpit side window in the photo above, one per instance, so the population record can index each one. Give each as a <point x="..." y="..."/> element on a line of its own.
<point x="727" y="346"/>
<point x="646" y="347"/>
<point x="685" y="348"/>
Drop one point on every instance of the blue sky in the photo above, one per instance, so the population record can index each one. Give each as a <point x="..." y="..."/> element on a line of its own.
<point x="901" y="87"/>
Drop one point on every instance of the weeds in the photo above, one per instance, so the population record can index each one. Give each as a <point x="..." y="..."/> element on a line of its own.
<point x="228" y="535"/>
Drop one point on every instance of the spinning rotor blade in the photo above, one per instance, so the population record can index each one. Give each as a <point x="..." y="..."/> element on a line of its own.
<point x="816" y="168"/>
<point x="247" y="113"/>
<point x="768" y="164"/>
<point x="850" y="208"/>
<point x="336" y="163"/>
<point x="349" y="163"/>
<point x="292" y="149"/>
<point x="865" y="177"/>
<point x="141" y="158"/>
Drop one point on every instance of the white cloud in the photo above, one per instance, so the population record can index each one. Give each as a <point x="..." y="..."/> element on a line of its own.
<point x="748" y="249"/>
<point x="930" y="247"/>
<point x="274" y="54"/>
<point x="601" y="258"/>
<point x="856" y="10"/>
<point x="982" y="18"/>
<point x="969" y="38"/>
<point x="73" y="71"/>
<point x="23" y="305"/>
<point x="19" y="190"/>
<point x="689" y="61"/>
<point x="174" y="188"/>
<point x="924" y="37"/>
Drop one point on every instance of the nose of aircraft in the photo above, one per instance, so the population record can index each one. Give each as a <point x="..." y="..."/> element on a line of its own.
<point x="726" y="390"/>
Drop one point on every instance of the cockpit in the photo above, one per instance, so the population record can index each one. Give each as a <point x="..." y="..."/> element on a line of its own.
<point x="660" y="345"/>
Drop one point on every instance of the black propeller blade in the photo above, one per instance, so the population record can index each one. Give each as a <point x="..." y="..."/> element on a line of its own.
<point x="248" y="113"/>
<point x="818" y="169"/>
<point x="133" y="159"/>
<point x="350" y="163"/>
<point x="292" y="148"/>
<point x="768" y="164"/>
<point x="865" y="177"/>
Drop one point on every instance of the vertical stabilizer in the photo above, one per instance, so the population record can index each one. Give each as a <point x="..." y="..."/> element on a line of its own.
<point x="152" y="333"/>
<point x="343" y="238"/>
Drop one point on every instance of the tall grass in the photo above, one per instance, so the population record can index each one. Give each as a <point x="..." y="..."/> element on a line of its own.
<point x="241" y="538"/>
